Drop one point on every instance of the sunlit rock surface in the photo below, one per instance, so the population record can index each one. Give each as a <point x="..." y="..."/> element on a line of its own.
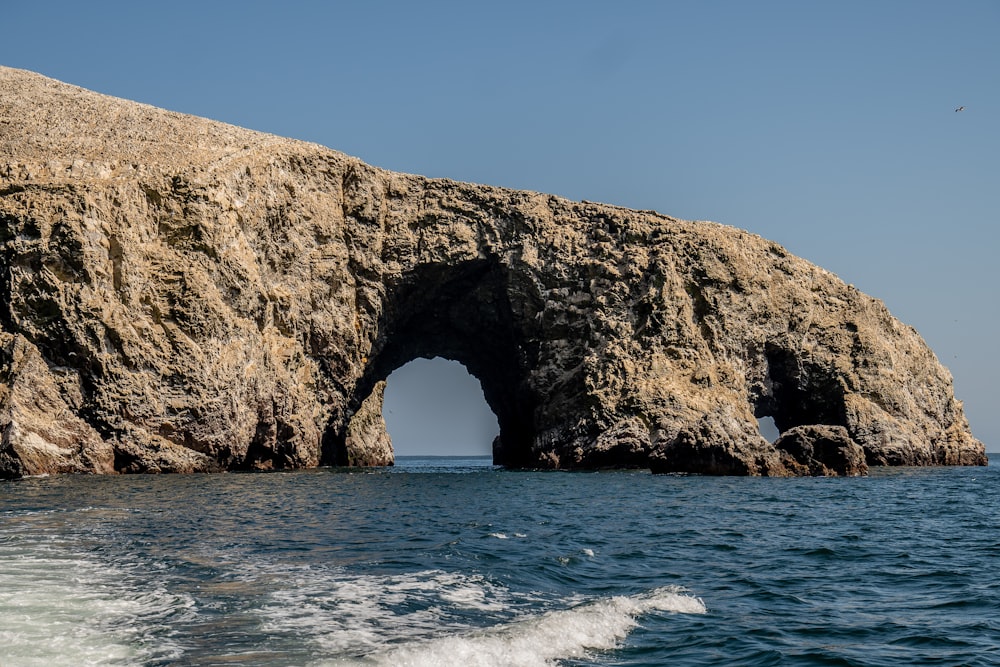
<point x="181" y="295"/>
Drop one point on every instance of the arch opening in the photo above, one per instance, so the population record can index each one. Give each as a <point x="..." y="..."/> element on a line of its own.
<point x="795" y="392"/>
<point x="435" y="407"/>
<point x="768" y="429"/>
<point x="461" y="312"/>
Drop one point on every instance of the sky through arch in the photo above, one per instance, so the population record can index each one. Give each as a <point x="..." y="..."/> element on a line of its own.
<point x="434" y="407"/>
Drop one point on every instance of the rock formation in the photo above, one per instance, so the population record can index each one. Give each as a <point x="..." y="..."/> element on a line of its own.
<point x="821" y="451"/>
<point x="177" y="294"/>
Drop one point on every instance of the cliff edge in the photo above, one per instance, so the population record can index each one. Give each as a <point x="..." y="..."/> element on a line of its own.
<point x="183" y="295"/>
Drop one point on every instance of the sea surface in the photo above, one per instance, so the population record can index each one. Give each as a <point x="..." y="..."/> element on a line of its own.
<point x="453" y="562"/>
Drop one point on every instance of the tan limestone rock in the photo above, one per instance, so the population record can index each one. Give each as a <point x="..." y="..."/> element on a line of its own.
<point x="223" y="299"/>
<point x="40" y="433"/>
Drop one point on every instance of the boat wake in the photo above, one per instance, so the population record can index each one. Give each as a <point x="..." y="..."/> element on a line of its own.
<point x="541" y="641"/>
<point x="436" y="618"/>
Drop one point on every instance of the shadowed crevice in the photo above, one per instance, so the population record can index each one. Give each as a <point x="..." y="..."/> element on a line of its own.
<point x="796" y="392"/>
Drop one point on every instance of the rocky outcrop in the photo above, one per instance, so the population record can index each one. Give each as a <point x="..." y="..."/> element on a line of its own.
<point x="366" y="442"/>
<point x="40" y="431"/>
<point x="179" y="295"/>
<point x="821" y="451"/>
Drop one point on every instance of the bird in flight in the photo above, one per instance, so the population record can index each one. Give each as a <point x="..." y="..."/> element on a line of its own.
<point x="960" y="109"/>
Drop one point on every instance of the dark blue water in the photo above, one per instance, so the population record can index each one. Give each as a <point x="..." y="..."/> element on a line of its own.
<point x="456" y="563"/>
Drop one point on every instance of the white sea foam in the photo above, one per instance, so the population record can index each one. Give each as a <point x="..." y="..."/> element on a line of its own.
<point x="442" y="619"/>
<point x="540" y="641"/>
<point x="499" y="536"/>
<point x="343" y="613"/>
<point x="58" y="607"/>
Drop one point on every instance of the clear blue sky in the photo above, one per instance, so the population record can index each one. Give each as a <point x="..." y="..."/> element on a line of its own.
<point x="826" y="126"/>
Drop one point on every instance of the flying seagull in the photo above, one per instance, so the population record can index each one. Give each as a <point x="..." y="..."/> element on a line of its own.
<point x="960" y="109"/>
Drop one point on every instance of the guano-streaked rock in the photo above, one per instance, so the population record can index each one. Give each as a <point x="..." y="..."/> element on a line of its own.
<point x="180" y="295"/>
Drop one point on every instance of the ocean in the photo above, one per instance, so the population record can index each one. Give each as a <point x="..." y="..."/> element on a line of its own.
<point x="454" y="562"/>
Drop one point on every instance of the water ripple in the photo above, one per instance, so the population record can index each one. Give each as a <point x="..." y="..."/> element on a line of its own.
<point x="378" y="567"/>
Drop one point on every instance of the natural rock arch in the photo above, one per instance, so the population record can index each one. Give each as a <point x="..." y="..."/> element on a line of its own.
<point x="179" y="294"/>
<point x="461" y="313"/>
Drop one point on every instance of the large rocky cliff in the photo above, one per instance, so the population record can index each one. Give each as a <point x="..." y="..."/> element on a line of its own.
<point x="178" y="294"/>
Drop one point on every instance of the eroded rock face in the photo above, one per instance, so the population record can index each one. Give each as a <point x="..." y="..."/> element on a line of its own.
<point x="40" y="432"/>
<point x="187" y="295"/>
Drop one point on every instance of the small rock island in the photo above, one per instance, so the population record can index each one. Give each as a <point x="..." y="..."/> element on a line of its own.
<point x="180" y="295"/>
